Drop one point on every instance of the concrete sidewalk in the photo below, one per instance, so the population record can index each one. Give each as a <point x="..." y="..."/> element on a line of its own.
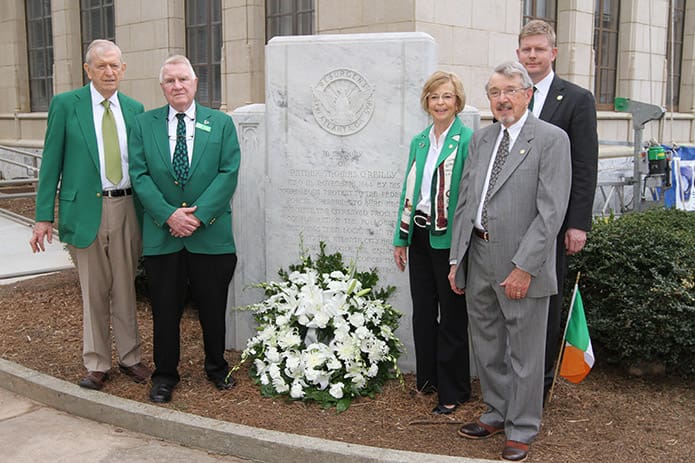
<point x="15" y="253"/>
<point x="31" y="432"/>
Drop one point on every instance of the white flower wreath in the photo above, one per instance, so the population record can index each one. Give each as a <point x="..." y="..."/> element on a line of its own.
<point x="322" y="335"/>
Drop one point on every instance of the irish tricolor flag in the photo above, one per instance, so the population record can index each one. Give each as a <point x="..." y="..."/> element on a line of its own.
<point x="578" y="357"/>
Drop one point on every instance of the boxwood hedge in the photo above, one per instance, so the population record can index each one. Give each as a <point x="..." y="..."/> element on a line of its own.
<point x="638" y="287"/>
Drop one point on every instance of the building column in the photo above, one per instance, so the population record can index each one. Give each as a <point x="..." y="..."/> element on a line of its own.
<point x="575" y="59"/>
<point x="148" y="33"/>
<point x="243" y="53"/>
<point x="686" y="103"/>
<point x="14" y="88"/>
<point x="67" y="45"/>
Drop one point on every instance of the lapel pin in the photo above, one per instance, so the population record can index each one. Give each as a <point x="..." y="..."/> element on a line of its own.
<point x="451" y="146"/>
<point x="456" y="137"/>
<point x="421" y="145"/>
<point x="522" y="152"/>
<point x="559" y="97"/>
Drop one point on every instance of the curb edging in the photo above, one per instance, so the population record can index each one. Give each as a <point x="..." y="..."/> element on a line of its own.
<point x="195" y="431"/>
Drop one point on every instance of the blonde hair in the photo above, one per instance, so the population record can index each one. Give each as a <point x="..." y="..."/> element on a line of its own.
<point x="538" y="27"/>
<point x="437" y="79"/>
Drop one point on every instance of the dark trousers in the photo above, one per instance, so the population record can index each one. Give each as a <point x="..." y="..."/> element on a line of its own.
<point x="555" y="328"/>
<point x="169" y="277"/>
<point x="440" y="323"/>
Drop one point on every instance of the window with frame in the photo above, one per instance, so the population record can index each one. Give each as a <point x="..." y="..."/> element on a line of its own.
<point x="40" y="53"/>
<point x="606" y="23"/>
<point x="288" y="17"/>
<point x="541" y="9"/>
<point x="204" y="48"/>
<point x="97" y="22"/>
<point x="674" y="52"/>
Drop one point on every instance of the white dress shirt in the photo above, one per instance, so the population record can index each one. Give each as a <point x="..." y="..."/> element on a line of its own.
<point x="541" y="93"/>
<point x="425" y="204"/>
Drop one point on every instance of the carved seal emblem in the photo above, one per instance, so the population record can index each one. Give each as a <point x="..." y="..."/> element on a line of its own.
<point x="343" y="102"/>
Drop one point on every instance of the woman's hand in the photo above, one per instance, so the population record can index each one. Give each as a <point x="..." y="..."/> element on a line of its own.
<point x="400" y="255"/>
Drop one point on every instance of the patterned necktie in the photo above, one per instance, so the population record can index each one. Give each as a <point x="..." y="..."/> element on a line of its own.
<point x="500" y="158"/>
<point x="180" y="160"/>
<point x="112" y="149"/>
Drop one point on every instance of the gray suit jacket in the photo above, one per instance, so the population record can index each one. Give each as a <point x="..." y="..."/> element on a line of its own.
<point x="526" y="207"/>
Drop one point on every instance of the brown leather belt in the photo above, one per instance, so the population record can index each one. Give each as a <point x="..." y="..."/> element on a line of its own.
<point x="482" y="234"/>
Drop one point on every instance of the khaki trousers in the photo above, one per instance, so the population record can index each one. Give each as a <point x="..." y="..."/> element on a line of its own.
<point x="107" y="279"/>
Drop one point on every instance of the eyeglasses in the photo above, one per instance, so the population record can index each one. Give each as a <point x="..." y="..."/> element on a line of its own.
<point x="446" y="97"/>
<point x="510" y="92"/>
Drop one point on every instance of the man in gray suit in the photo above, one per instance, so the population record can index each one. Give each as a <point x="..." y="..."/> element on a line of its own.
<point x="513" y="196"/>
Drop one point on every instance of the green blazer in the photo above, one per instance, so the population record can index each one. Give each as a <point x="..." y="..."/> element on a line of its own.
<point x="71" y="156"/>
<point x="211" y="182"/>
<point x="457" y="139"/>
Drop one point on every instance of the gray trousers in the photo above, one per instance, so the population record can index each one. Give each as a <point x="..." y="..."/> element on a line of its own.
<point x="508" y="338"/>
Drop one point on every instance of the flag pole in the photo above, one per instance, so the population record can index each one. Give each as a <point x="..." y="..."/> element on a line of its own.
<point x="562" y="342"/>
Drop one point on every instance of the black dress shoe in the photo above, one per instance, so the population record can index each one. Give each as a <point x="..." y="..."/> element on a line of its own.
<point x="224" y="383"/>
<point x="444" y="410"/>
<point x="161" y="393"/>
<point x="478" y="430"/>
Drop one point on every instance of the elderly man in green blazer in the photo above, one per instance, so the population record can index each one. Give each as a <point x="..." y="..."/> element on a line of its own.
<point x="86" y="151"/>
<point x="184" y="165"/>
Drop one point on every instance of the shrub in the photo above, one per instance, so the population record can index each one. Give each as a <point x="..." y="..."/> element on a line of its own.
<point x="638" y="286"/>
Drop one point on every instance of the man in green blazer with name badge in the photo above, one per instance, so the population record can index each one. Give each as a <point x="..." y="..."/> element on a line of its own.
<point x="184" y="165"/>
<point x="86" y="153"/>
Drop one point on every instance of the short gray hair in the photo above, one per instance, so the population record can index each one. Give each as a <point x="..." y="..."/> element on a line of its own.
<point x="176" y="59"/>
<point x="99" y="46"/>
<point x="513" y="69"/>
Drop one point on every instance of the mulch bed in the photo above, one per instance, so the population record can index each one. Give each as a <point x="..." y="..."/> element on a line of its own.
<point x="608" y="417"/>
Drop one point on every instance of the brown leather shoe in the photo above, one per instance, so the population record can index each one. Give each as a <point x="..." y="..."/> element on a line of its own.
<point x="138" y="372"/>
<point x="94" y="380"/>
<point x="515" y="451"/>
<point x="478" y="430"/>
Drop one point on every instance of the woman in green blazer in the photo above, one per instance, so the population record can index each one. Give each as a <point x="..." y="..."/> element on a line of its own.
<point x="423" y="237"/>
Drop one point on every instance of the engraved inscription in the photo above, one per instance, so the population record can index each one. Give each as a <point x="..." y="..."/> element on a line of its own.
<point x="356" y="208"/>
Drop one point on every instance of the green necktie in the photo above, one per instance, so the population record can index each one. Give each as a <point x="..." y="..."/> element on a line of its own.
<point x="112" y="149"/>
<point x="180" y="159"/>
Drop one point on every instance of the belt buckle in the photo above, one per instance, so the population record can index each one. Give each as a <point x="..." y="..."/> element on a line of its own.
<point x="421" y="221"/>
<point x="482" y="234"/>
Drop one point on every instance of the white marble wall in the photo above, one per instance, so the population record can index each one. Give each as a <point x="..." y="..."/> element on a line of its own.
<point x="248" y="211"/>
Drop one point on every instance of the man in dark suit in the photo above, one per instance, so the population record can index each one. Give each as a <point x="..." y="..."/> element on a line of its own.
<point x="573" y="109"/>
<point x="86" y="151"/>
<point x="184" y="165"/>
<point x="514" y="192"/>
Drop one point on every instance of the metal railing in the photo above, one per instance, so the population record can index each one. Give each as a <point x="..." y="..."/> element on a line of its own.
<point x="32" y="169"/>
